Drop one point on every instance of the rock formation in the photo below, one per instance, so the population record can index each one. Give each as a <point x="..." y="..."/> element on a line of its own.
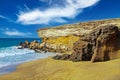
<point x="99" y="45"/>
<point x="87" y="41"/>
<point x="59" y="44"/>
<point x="31" y="45"/>
<point x="61" y="38"/>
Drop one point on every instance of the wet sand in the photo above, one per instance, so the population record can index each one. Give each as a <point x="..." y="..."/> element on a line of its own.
<point x="49" y="69"/>
<point x="8" y="69"/>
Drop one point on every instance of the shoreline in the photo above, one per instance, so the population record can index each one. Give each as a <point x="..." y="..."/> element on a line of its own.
<point x="50" y="69"/>
<point x="8" y="69"/>
<point x="12" y="67"/>
<point x="98" y="45"/>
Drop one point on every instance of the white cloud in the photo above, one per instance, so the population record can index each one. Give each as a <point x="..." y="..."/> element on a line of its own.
<point x="14" y="32"/>
<point x="55" y="14"/>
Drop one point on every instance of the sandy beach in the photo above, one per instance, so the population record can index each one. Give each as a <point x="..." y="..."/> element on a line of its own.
<point x="49" y="69"/>
<point x="8" y="69"/>
<point x="59" y="40"/>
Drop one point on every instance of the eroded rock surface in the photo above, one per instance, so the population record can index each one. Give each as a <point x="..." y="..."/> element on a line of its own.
<point x="95" y="41"/>
<point x="99" y="45"/>
<point x="59" y="44"/>
<point x="31" y="45"/>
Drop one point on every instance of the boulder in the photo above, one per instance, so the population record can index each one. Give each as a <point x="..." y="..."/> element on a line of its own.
<point x="61" y="57"/>
<point x="26" y="42"/>
<point x="34" y="45"/>
<point x="23" y="45"/>
<point x="38" y="50"/>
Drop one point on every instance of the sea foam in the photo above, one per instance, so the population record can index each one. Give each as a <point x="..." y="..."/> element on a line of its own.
<point x="11" y="51"/>
<point x="12" y="56"/>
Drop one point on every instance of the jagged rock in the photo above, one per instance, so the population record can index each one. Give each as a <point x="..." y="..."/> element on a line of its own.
<point x="58" y="44"/>
<point x="38" y="50"/>
<point x="61" y="57"/>
<point x="57" y="57"/>
<point x="82" y="51"/>
<point x="34" y="45"/>
<point x="24" y="45"/>
<point x="27" y="43"/>
<point x="105" y="43"/>
<point x="19" y="47"/>
<point x="100" y="41"/>
<point x="96" y="46"/>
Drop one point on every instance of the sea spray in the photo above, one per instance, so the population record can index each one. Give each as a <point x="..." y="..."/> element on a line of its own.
<point x="12" y="55"/>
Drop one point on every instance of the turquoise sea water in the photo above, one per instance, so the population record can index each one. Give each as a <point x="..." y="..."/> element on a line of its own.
<point x="10" y="55"/>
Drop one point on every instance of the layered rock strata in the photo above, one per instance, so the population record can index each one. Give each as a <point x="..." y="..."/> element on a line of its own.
<point x="99" y="45"/>
<point x="61" y="38"/>
<point x="95" y="41"/>
<point x="59" y="44"/>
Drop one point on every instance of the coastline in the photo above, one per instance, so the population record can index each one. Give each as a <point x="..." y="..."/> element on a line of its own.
<point x="12" y="67"/>
<point x="49" y="69"/>
<point x="8" y="69"/>
<point x="77" y="52"/>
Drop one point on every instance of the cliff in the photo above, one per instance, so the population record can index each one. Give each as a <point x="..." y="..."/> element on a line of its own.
<point x="62" y="38"/>
<point x="75" y="29"/>
<point x="95" y="40"/>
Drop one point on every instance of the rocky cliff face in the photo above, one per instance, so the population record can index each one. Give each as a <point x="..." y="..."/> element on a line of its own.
<point x="59" y="44"/>
<point x="99" y="45"/>
<point x="95" y="41"/>
<point x="62" y="38"/>
<point x="79" y="29"/>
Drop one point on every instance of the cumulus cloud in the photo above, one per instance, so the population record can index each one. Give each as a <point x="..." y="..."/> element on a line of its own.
<point x="55" y="14"/>
<point x="14" y="32"/>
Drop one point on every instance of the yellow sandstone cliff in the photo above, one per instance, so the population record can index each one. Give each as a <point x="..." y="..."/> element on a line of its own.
<point x="63" y="37"/>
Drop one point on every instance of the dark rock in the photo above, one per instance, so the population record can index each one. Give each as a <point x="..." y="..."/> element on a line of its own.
<point x="38" y="50"/>
<point x="82" y="51"/>
<point x="32" y="45"/>
<point x="57" y="57"/>
<point x="19" y="47"/>
<point x="96" y="46"/>
<point x="65" y="56"/>
<point x="62" y="57"/>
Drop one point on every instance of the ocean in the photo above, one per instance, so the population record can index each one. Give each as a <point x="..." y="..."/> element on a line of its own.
<point x="11" y="56"/>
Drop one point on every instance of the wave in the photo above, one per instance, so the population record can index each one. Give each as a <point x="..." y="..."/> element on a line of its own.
<point x="12" y="51"/>
<point x="12" y="55"/>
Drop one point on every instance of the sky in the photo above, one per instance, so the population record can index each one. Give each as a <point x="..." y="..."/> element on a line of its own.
<point x="22" y="18"/>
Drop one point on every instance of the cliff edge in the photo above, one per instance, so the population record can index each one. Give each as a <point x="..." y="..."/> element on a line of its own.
<point x="79" y="29"/>
<point x="95" y="40"/>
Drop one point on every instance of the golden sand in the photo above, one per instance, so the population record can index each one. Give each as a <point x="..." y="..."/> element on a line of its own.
<point x="49" y="69"/>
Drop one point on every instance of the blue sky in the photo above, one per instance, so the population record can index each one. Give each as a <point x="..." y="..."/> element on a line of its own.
<point x="22" y="18"/>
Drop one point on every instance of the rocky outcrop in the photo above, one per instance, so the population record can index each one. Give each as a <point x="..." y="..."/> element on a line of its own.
<point x="23" y="45"/>
<point x="87" y="41"/>
<point x="99" y="45"/>
<point x="62" y="57"/>
<point x="31" y="45"/>
<point x="79" y="29"/>
<point x="59" y="44"/>
<point x="61" y="38"/>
